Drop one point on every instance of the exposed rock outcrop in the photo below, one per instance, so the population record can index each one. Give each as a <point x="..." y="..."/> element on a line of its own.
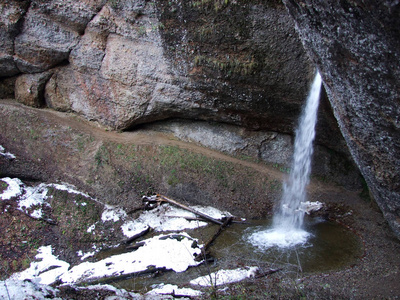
<point x="356" y="45"/>
<point x="125" y="63"/>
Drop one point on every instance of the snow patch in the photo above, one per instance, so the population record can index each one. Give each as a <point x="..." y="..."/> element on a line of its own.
<point x="68" y="188"/>
<point x="132" y="228"/>
<point x="112" y="213"/>
<point x="34" y="197"/>
<point x="225" y="277"/>
<point x="91" y="228"/>
<point x="14" y="189"/>
<point x="32" y="200"/>
<point x="170" y="218"/>
<point x="107" y="287"/>
<point x="173" y="252"/>
<point x="170" y="289"/>
<point x="7" y="155"/>
<point x="16" y="289"/>
<point x="309" y="207"/>
<point x="45" y="271"/>
<point x="83" y="256"/>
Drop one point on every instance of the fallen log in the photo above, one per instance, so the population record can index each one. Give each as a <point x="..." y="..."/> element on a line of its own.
<point x="135" y="246"/>
<point x="261" y="274"/>
<point x="136" y="236"/>
<point x="133" y="210"/>
<point x="217" y="233"/>
<point x="234" y="221"/>
<point x="162" y="198"/>
<point x="204" y="251"/>
<point x="150" y="271"/>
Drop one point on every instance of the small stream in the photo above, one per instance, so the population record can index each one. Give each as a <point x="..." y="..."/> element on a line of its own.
<point x="330" y="247"/>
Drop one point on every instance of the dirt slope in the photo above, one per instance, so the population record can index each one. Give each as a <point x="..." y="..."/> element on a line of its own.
<point x="119" y="167"/>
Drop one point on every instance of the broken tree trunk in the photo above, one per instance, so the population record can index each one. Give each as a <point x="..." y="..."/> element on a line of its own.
<point x="162" y="198"/>
<point x="266" y="273"/>
<point x="204" y="251"/>
<point x="217" y="233"/>
<point x="136" y="236"/>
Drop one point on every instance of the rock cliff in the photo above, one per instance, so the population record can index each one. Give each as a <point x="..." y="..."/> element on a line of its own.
<point x="356" y="45"/>
<point x="237" y="68"/>
<point x="126" y="63"/>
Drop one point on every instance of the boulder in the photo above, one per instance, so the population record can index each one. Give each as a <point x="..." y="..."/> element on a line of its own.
<point x="11" y="16"/>
<point x="43" y="43"/>
<point x="29" y="88"/>
<point x="70" y="13"/>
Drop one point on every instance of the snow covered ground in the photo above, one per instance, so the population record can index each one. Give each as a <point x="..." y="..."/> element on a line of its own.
<point x="33" y="200"/>
<point x="7" y="155"/>
<point x="225" y="277"/>
<point x="172" y="249"/>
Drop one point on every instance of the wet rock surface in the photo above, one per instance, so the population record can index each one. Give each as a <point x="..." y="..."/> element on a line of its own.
<point x="356" y="47"/>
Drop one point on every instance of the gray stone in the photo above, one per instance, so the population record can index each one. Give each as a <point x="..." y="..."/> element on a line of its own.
<point x="8" y="67"/>
<point x="88" y="55"/>
<point x="356" y="45"/>
<point x="11" y="14"/>
<point x="43" y="43"/>
<point x="29" y="88"/>
<point x="70" y="13"/>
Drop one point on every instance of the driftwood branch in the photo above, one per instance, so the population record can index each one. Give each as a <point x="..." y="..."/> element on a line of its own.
<point x="136" y="236"/>
<point x="161" y="198"/>
<point x="217" y="233"/>
<point x="266" y="273"/>
<point x="204" y="251"/>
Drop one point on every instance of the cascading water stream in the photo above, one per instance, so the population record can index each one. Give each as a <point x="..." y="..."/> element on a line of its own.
<point x="287" y="229"/>
<point x="290" y="215"/>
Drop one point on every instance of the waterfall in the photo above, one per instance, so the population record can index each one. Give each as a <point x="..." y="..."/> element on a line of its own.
<point x="287" y="229"/>
<point x="290" y="215"/>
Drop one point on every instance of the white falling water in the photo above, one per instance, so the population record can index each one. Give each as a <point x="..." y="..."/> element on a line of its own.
<point x="287" y="227"/>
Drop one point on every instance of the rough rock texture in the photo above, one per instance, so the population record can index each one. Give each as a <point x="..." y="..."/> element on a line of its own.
<point x="356" y="45"/>
<point x="125" y="63"/>
<point x="11" y="18"/>
<point x="276" y="149"/>
<point x="130" y="62"/>
<point x="29" y="88"/>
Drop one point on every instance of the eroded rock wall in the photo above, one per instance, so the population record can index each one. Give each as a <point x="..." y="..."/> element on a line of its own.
<point x="127" y="63"/>
<point x="356" y="45"/>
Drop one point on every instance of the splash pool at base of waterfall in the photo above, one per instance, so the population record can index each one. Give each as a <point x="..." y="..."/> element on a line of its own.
<point x="328" y="246"/>
<point x="278" y="237"/>
<point x="287" y="229"/>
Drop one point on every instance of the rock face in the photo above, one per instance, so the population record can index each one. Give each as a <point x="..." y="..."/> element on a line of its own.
<point x="125" y="63"/>
<point x="128" y="63"/>
<point x="356" y="45"/>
